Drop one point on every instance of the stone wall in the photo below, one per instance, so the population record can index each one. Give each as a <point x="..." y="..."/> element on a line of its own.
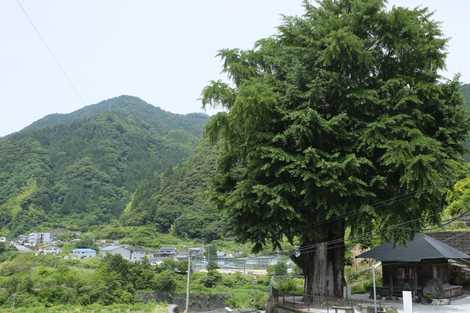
<point x="197" y="302"/>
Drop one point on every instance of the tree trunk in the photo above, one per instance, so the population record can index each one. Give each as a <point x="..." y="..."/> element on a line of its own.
<point x="322" y="263"/>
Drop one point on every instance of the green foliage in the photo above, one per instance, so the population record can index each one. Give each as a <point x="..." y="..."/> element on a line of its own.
<point x="243" y="291"/>
<point x="290" y="286"/>
<point x="79" y="169"/>
<point x="171" y="265"/>
<point x="94" y="308"/>
<point x="458" y="197"/>
<point x="342" y="108"/>
<point x="36" y="282"/>
<point x="165" y="282"/>
<point x="248" y="298"/>
<point x="211" y="255"/>
<point x="145" y="236"/>
<point x="278" y="269"/>
<point x="178" y="201"/>
<point x="466" y="95"/>
<point x="212" y="278"/>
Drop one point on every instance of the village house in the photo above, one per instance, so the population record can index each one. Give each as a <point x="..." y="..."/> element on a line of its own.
<point x="426" y="266"/>
<point x="83" y="253"/>
<point x="197" y="251"/>
<point x="49" y="250"/>
<point x="166" y="252"/>
<point x="35" y="239"/>
<point x="132" y="254"/>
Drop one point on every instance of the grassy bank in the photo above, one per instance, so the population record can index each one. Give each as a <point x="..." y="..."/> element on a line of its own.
<point x="115" y="308"/>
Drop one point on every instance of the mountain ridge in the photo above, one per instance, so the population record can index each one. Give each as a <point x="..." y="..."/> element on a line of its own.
<point x="80" y="168"/>
<point x="114" y="104"/>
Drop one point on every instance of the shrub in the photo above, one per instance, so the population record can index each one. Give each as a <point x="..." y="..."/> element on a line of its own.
<point x="165" y="281"/>
<point x="212" y="279"/>
<point x="278" y="269"/>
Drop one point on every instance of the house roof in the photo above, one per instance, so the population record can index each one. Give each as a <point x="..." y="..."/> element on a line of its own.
<point x="111" y="248"/>
<point x="167" y="249"/>
<point x="422" y="247"/>
<point x="125" y="247"/>
<point x="83" y="250"/>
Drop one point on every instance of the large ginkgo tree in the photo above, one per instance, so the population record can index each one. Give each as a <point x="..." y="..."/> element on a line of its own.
<point x="339" y="121"/>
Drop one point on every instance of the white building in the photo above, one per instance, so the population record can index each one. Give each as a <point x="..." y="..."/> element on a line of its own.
<point x="46" y="238"/>
<point x="34" y="239"/>
<point x="131" y="254"/>
<point x="116" y="250"/>
<point x="83" y="253"/>
<point x="49" y="250"/>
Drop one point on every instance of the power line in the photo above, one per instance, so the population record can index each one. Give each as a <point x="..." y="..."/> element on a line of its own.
<point x="52" y="54"/>
<point x="339" y="242"/>
<point x="375" y="205"/>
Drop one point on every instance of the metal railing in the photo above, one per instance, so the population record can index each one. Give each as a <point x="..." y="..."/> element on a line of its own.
<point x="310" y="302"/>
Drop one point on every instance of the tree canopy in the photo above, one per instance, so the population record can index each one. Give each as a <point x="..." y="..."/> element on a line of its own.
<point x="343" y="108"/>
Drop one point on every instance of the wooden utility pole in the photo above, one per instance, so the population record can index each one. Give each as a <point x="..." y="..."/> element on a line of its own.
<point x="188" y="282"/>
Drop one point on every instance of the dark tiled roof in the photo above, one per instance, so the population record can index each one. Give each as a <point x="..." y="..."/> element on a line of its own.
<point x="422" y="247"/>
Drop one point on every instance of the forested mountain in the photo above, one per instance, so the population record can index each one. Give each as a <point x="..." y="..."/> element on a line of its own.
<point x="82" y="167"/>
<point x="466" y="94"/>
<point x="179" y="199"/>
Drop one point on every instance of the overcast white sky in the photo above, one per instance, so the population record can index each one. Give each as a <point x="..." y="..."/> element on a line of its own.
<point x="161" y="51"/>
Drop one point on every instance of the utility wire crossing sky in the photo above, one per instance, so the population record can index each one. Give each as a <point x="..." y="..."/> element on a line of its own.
<point x="58" y="56"/>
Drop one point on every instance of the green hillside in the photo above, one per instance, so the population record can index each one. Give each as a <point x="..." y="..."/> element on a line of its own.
<point x="178" y="199"/>
<point x="81" y="168"/>
<point x="466" y="94"/>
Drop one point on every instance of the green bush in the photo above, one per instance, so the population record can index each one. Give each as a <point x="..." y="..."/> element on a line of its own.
<point x="48" y="281"/>
<point x="248" y="299"/>
<point x="278" y="269"/>
<point x="212" y="278"/>
<point x="165" y="281"/>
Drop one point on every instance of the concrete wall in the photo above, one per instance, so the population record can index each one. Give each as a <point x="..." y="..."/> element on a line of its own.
<point x="197" y="303"/>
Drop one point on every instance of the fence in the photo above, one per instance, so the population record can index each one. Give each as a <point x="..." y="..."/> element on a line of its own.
<point x="238" y="264"/>
<point x="310" y="303"/>
<point x="299" y="301"/>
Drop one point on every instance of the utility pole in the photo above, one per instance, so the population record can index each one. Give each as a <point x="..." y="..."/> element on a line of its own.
<point x="373" y="267"/>
<point x="208" y="255"/>
<point x="189" y="277"/>
<point x="188" y="281"/>
<point x="375" y="291"/>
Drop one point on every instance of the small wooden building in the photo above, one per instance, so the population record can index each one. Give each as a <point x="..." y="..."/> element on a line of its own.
<point x="424" y="266"/>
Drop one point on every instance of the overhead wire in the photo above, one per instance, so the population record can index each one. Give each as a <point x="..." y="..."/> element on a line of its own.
<point x="333" y="244"/>
<point x="51" y="52"/>
<point x="376" y="205"/>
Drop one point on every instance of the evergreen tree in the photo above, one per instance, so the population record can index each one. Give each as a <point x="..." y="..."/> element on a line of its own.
<point x="342" y="109"/>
